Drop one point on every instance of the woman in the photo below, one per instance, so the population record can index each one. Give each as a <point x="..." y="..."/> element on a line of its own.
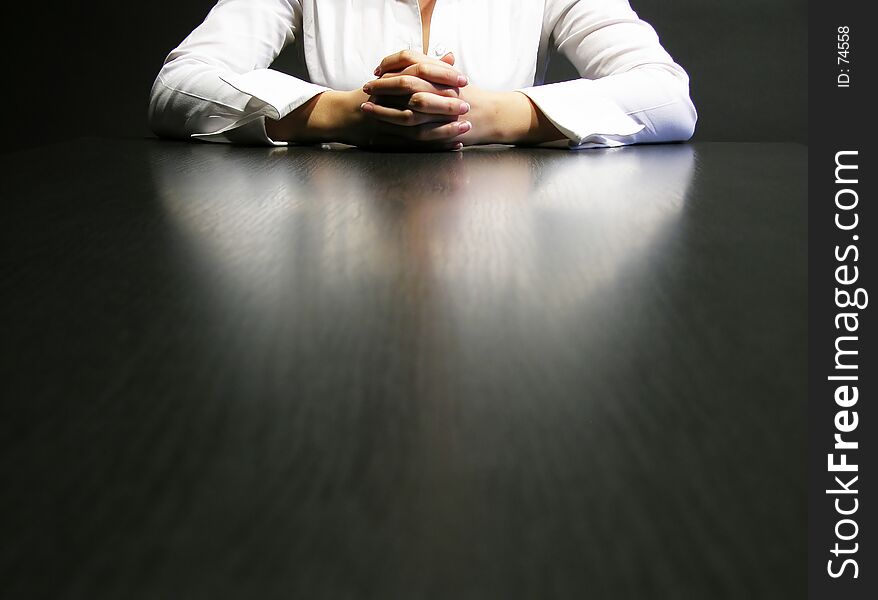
<point x="423" y="74"/>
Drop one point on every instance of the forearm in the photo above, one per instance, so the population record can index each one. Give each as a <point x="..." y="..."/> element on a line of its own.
<point x="516" y="120"/>
<point x="331" y="116"/>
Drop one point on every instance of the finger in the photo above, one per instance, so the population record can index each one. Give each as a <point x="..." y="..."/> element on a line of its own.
<point x="441" y="90"/>
<point x="405" y="117"/>
<point x="402" y="85"/>
<point x="398" y="102"/>
<point x="434" y="104"/>
<point x="424" y="102"/>
<point x="405" y="58"/>
<point x="434" y="132"/>
<point x="440" y="74"/>
<point x="399" y="60"/>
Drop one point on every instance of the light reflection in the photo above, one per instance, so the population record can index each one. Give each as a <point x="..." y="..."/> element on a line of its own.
<point x="468" y="236"/>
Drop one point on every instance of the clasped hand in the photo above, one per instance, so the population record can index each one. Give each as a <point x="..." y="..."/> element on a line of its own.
<point x="418" y="101"/>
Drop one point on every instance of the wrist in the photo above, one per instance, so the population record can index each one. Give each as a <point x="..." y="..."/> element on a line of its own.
<point x="336" y="115"/>
<point x="524" y="123"/>
<point x="510" y="117"/>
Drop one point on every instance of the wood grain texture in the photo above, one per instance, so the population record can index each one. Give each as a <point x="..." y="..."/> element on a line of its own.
<point x="309" y="373"/>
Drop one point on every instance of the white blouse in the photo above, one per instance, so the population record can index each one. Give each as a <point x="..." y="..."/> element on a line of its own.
<point x="216" y="85"/>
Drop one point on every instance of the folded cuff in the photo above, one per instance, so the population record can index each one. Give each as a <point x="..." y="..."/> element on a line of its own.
<point x="281" y="93"/>
<point x="587" y="118"/>
<point x="274" y="95"/>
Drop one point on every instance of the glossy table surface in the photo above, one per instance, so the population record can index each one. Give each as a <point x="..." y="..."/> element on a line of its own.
<point x="234" y="372"/>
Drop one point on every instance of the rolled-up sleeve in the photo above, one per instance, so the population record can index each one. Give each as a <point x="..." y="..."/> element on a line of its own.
<point x="216" y="86"/>
<point x="630" y="90"/>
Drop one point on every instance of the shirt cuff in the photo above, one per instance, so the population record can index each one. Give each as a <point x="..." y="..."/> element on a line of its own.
<point x="588" y="119"/>
<point x="274" y="95"/>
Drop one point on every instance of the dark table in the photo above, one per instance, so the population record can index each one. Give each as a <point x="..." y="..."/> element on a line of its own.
<point x="236" y="372"/>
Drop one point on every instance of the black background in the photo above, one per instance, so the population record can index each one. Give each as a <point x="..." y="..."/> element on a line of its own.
<point x="77" y="70"/>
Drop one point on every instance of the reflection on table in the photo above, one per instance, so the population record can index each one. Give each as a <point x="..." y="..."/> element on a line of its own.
<point x="324" y="373"/>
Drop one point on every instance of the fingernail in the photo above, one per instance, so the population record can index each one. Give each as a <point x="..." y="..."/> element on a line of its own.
<point x="461" y="80"/>
<point x="464" y="126"/>
<point x="464" y="108"/>
<point x="367" y="88"/>
<point x="458" y="146"/>
<point x="377" y="70"/>
<point x="366" y="107"/>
